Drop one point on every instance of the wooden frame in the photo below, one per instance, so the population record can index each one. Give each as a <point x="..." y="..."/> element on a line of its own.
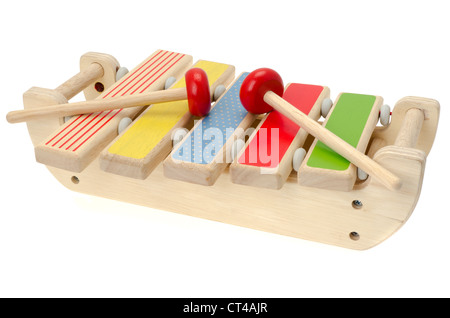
<point x="357" y="219"/>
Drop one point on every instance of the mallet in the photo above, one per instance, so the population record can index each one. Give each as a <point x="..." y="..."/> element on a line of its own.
<point x="197" y="93"/>
<point x="261" y="92"/>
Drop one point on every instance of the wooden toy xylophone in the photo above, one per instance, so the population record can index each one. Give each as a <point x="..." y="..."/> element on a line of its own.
<point x="259" y="156"/>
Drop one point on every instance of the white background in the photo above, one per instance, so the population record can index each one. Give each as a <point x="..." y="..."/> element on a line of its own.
<point x="54" y="242"/>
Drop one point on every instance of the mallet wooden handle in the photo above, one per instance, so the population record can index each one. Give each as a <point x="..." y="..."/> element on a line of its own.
<point x="97" y="105"/>
<point x="359" y="159"/>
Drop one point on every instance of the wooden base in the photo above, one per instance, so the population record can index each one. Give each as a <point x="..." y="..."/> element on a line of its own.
<point x="309" y="213"/>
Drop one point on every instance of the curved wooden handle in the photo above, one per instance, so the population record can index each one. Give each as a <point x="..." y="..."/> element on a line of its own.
<point x="97" y="105"/>
<point x="347" y="151"/>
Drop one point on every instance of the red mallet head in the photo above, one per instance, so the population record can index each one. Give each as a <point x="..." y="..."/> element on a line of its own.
<point x="256" y="85"/>
<point x="198" y="94"/>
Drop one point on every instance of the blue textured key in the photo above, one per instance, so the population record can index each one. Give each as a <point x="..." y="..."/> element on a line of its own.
<point x="201" y="145"/>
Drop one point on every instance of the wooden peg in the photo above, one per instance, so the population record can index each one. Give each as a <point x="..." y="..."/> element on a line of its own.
<point x="77" y="83"/>
<point x="410" y="129"/>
